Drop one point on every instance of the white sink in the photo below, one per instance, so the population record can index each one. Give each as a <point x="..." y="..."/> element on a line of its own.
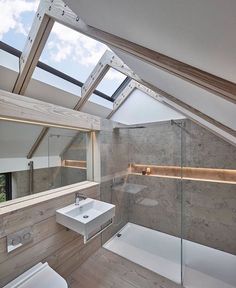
<point x="88" y="218"/>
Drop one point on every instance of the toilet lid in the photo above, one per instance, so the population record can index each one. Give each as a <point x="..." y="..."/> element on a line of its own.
<point x="39" y="276"/>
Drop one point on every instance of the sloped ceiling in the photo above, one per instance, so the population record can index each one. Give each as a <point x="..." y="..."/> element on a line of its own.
<point x="198" y="33"/>
<point x="17" y="139"/>
<point x="202" y="100"/>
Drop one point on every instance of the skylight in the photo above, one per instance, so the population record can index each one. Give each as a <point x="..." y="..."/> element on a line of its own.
<point x="111" y="82"/>
<point x="66" y="50"/>
<point x="16" y="20"/>
<point x="72" y="52"/>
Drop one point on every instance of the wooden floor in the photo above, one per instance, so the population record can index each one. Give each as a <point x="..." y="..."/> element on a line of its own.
<point x="105" y="269"/>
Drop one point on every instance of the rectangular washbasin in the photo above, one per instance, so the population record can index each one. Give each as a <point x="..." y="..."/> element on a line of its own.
<point x="87" y="218"/>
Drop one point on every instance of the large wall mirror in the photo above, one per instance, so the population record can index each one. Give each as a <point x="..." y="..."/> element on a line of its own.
<point x="59" y="160"/>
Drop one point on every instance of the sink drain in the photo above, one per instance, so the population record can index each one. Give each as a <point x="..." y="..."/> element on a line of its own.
<point x="85" y="216"/>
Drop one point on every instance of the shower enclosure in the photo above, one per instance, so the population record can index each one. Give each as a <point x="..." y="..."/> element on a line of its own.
<point x="177" y="220"/>
<point x="209" y="210"/>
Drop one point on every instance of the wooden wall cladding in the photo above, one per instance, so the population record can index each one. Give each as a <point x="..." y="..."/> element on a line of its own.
<point x="63" y="250"/>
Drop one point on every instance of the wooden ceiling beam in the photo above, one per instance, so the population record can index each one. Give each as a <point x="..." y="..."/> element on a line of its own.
<point x="38" y="141"/>
<point x="32" y="111"/>
<point x="36" y="40"/>
<point x="60" y="12"/>
<point x="27" y="110"/>
<point x="93" y="80"/>
<point x="107" y="61"/>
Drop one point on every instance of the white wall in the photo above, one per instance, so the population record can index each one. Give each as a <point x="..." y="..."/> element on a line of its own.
<point x="16" y="140"/>
<point x="141" y="108"/>
<point x="21" y="163"/>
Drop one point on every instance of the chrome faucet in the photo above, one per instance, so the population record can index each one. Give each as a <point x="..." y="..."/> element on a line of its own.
<point x="79" y="197"/>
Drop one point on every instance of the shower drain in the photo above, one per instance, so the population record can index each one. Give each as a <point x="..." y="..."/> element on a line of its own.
<point x="85" y="216"/>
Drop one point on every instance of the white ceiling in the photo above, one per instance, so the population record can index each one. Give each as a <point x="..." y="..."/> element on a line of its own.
<point x="17" y="139"/>
<point x="200" y="99"/>
<point x="200" y="33"/>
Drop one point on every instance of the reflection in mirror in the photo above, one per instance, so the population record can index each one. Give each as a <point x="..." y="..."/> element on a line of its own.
<point x="72" y="157"/>
<point x="59" y="160"/>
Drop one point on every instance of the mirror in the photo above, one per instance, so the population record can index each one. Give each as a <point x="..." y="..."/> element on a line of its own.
<point x="59" y="160"/>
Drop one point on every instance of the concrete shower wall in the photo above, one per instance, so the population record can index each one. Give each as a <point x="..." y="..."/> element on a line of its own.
<point x="209" y="208"/>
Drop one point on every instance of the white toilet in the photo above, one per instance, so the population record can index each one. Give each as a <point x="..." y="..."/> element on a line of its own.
<point x="39" y="276"/>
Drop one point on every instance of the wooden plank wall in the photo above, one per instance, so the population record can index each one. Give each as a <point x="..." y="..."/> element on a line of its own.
<point x="63" y="250"/>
